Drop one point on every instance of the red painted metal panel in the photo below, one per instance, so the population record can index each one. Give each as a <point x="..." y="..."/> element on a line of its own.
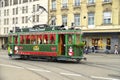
<point x="38" y="53"/>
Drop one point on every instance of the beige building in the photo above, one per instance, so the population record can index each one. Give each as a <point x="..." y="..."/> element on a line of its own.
<point x="98" y="19"/>
<point x="22" y="14"/>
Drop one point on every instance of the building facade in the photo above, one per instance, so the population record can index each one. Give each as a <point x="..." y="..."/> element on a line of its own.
<point x="21" y="13"/>
<point x="98" y="19"/>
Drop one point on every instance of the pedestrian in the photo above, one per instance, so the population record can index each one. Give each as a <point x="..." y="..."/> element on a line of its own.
<point x="93" y="49"/>
<point x="2" y="46"/>
<point x="86" y="50"/>
<point x="116" y="49"/>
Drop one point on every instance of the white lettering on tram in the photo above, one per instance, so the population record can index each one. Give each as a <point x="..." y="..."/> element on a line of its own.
<point x="35" y="30"/>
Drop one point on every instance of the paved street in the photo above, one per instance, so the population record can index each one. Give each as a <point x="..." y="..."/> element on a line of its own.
<point x="97" y="67"/>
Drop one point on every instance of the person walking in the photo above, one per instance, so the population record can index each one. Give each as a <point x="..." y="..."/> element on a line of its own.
<point x="116" y="49"/>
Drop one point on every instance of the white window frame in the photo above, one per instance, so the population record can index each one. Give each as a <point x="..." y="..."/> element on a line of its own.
<point x="107" y="0"/>
<point x="64" y="20"/>
<point x="64" y="3"/>
<point x="53" y="4"/>
<point x="107" y="17"/>
<point x="77" y="19"/>
<point x="77" y="2"/>
<point x="91" y="1"/>
<point x="91" y="19"/>
<point x="53" y="20"/>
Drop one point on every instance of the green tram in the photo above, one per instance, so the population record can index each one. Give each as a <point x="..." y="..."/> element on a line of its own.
<point x="43" y="41"/>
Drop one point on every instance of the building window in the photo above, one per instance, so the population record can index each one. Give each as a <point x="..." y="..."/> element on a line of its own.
<point x="7" y="30"/>
<point x="33" y="18"/>
<point x="24" y="1"/>
<point x="38" y="5"/>
<point x="107" y="17"/>
<point x="22" y="19"/>
<point x="64" y="3"/>
<point x="19" y="1"/>
<point x="6" y="2"/>
<point x="53" y="4"/>
<point x="4" y="12"/>
<point x="16" y="20"/>
<point x="77" y="19"/>
<point x="108" y="44"/>
<point x="13" y="20"/>
<point x="53" y="20"/>
<point x="0" y="12"/>
<point x="30" y="0"/>
<point x="97" y="43"/>
<point x="106" y="0"/>
<point x="4" y="21"/>
<point x="15" y="2"/>
<point x="7" y="21"/>
<point x="77" y="2"/>
<point x="23" y="10"/>
<point x="37" y="18"/>
<point x="35" y="0"/>
<point x="2" y="4"/>
<point x="17" y="10"/>
<point x="91" y="1"/>
<point x="0" y="21"/>
<point x="26" y="9"/>
<point x="91" y="18"/>
<point x="64" y="20"/>
<point x="33" y="8"/>
<point x="7" y="12"/>
<point x="4" y="30"/>
<point x="26" y="19"/>
<point x="13" y="11"/>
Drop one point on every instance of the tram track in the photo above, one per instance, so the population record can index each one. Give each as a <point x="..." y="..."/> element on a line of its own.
<point x="35" y="72"/>
<point x="26" y="62"/>
<point x="91" y="64"/>
<point x="103" y="66"/>
<point x="32" y="71"/>
<point x="78" y="73"/>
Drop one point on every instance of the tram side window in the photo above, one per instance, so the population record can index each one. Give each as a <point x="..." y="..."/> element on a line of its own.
<point x="45" y="39"/>
<point x="52" y="38"/>
<point x="10" y="39"/>
<point x="39" y="39"/>
<point x="77" y="38"/>
<point x="16" y="39"/>
<point x="70" y="39"/>
<point x="22" y="39"/>
<point x="27" y="39"/>
<point x="33" y="39"/>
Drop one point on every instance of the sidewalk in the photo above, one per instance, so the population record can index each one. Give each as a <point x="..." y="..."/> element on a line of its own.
<point x="102" y="55"/>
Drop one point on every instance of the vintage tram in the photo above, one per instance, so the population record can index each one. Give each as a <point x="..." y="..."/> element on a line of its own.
<point x="45" y="41"/>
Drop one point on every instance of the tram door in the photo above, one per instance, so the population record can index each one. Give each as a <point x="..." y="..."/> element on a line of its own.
<point x="61" y="44"/>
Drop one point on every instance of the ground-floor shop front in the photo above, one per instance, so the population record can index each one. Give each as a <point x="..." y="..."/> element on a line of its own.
<point x="102" y="42"/>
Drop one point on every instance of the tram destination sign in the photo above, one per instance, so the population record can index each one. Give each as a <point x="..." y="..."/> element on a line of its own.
<point x="38" y="28"/>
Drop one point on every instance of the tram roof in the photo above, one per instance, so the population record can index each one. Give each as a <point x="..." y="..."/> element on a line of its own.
<point x="45" y="29"/>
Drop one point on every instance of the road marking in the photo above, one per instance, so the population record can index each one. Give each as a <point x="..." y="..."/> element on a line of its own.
<point x="70" y="74"/>
<point x="105" y="78"/>
<point x="41" y="70"/>
<point x="11" y="66"/>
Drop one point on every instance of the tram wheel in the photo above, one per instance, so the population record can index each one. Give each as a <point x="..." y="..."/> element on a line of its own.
<point x="77" y="60"/>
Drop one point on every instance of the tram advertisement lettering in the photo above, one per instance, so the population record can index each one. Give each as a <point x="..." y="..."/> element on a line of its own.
<point x="36" y="48"/>
<point x="53" y="48"/>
